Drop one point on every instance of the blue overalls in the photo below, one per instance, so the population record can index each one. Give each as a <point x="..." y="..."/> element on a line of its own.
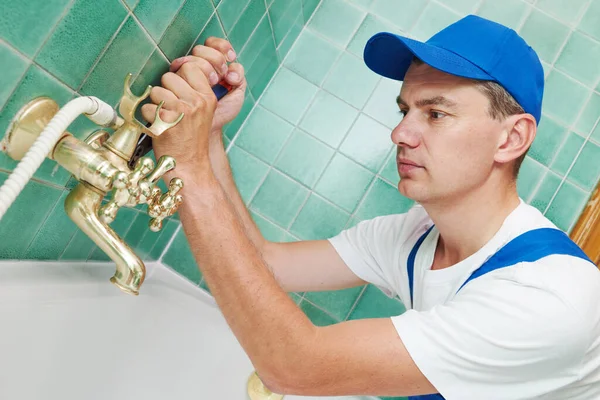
<point x="528" y="247"/>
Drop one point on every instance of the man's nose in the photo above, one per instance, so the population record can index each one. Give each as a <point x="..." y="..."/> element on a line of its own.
<point x="406" y="133"/>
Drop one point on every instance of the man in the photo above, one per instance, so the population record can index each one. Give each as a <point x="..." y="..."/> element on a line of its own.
<point x="501" y="304"/>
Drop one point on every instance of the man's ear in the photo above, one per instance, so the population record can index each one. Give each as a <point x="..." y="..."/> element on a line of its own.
<point x="517" y="137"/>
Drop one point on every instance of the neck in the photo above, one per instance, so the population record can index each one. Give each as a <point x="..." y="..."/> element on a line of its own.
<point x="467" y="224"/>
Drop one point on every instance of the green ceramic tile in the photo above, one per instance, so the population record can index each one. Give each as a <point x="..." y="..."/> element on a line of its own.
<point x="596" y="134"/>
<point x="156" y="15"/>
<point x="508" y="12"/>
<point x="282" y="14"/>
<point x="383" y="199"/>
<point x="389" y="171"/>
<point x="212" y="28"/>
<point x="262" y="36"/>
<point x="434" y="19"/>
<point x="25" y="24"/>
<point x="337" y="302"/>
<point x="289" y="95"/>
<point x="181" y="35"/>
<point x="579" y="58"/>
<point x="121" y="58"/>
<point x="264" y="134"/>
<point x="204" y="285"/>
<point x="530" y="174"/>
<point x="131" y="3"/>
<point x="567" y="153"/>
<point x="233" y="127"/>
<point x="308" y="8"/>
<point x="35" y="83"/>
<point x="347" y="20"/>
<point x="180" y="258"/>
<point x="563" y="97"/>
<point x="262" y="71"/>
<point x="461" y="6"/>
<point x="138" y="230"/>
<point x="156" y="66"/>
<point x="588" y="118"/>
<point x="312" y="57"/>
<point x="545" y="34"/>
<point x="565" y="11"/>
<point x="586" y="170"/>
<point x="590" y="23"/>
<point x="382" y="105"/>
<point x="550" y="135"/>
<point x="79" y="39"/>
<point x="351" y="80"/>
<point x="329" y="118"/>
<point x="304" y="158"/>
<point x="316" y="315"/>
<point x="163" y="239"/>
<point x="279" y="198"/>
<point x="296" y="297"/>
<point x="369" y="27"/>
<point x="53" y="237"/>
<point x="335" y="186"/>
<point x="318" y="220"/>
<point x="121" y="226"/>
<point x="545" y="191"/>
<point x="269" y="230"/>
<point x="367" y="143"/>
<point x="13" y="67"/>
<point x="566" y="206"/>
<point x="248" y="172"/>
<point x="247" y="23"/>
<point x="375" y="304"/>
<point x="403" y="17"/>
<point x="25" y="216"/>
<point x="79" y="248"/>
<point x="362" y="3"/>
<point x="229" y="11"/>
<point x="290" y="39"/>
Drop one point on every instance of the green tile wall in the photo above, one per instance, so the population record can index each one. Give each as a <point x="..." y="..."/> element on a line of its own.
<point x="66" y="48"/>
<point x="311" y="151"/>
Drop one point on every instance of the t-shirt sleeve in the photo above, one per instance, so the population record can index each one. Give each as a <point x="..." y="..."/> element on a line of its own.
<point x="497" y="339"/>
<point x="368" y="249"/>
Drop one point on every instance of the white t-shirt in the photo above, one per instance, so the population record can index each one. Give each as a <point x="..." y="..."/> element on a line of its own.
<point x="529" y="331"/>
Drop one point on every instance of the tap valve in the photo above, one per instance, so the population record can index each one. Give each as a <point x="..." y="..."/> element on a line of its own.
<point x="163" y="206"/>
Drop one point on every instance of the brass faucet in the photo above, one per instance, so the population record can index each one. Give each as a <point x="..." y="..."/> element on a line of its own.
<point x="100" y="163"/>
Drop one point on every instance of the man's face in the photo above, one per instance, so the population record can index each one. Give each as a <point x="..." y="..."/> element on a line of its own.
<point x="446" y="133"/>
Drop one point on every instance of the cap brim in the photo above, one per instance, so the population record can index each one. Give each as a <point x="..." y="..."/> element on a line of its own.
<point x="390" y="55"/>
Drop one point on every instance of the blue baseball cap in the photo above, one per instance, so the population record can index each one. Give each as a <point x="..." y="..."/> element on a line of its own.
<point x="472" y="47"/>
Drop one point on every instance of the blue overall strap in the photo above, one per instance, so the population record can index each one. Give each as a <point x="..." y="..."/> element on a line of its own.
<point x="528" y="247"/>
<point x="411" y="263"/>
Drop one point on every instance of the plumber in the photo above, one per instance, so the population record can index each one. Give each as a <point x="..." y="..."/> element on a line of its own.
<point x="500" y="303"/>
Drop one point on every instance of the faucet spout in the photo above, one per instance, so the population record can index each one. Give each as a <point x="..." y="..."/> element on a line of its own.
<point x="82" y="205"/>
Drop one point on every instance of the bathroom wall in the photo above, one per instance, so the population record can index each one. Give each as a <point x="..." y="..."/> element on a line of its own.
<point x="65" y="48"/>
<point x="315" y="156"/>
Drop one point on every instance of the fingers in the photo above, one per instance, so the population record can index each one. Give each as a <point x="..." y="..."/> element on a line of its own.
<point x="223" y="46"/>
<point x="236" y="74"/>
<point x="159" y="94"/>
<point x="182" y="89"/>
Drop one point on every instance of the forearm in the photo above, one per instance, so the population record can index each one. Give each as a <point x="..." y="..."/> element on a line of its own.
<point x="265" y="320"/>
<point x="223" y="174"/>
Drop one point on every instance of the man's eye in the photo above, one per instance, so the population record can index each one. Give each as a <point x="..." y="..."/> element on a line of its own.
<point x="437" y="114"/>
<point x="403" y="112"/>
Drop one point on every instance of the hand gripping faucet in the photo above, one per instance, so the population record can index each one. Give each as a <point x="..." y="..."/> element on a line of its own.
<point x="101" y="164"/>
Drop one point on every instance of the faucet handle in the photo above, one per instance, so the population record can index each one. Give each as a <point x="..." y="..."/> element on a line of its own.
<point x="125" y="189"/>
<point x="130" y="102"/>
<point x="166" y="205"/>
<point x="159" y="126"/>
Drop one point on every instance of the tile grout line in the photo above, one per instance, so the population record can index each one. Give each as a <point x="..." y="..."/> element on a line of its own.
<point x="170" y="242"/>
<point x="355" y="304"/>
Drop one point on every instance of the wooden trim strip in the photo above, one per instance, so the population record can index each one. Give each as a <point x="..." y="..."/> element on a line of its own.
<point x="586" y="232"/>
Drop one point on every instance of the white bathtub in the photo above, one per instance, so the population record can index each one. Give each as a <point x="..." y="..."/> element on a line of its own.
<point x="66" y="333"/>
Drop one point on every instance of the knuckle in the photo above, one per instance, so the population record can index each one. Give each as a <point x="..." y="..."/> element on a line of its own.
<point x="198" y="50"/>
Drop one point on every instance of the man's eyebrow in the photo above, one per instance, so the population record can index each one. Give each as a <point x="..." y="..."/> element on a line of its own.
<point x="434" y="101"/>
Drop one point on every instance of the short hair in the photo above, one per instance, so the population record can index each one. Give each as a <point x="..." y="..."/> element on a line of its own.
<point x="501" y="105"/>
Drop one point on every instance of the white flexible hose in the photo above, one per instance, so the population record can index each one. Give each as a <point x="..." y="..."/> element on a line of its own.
<point x="98" y="111"/>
